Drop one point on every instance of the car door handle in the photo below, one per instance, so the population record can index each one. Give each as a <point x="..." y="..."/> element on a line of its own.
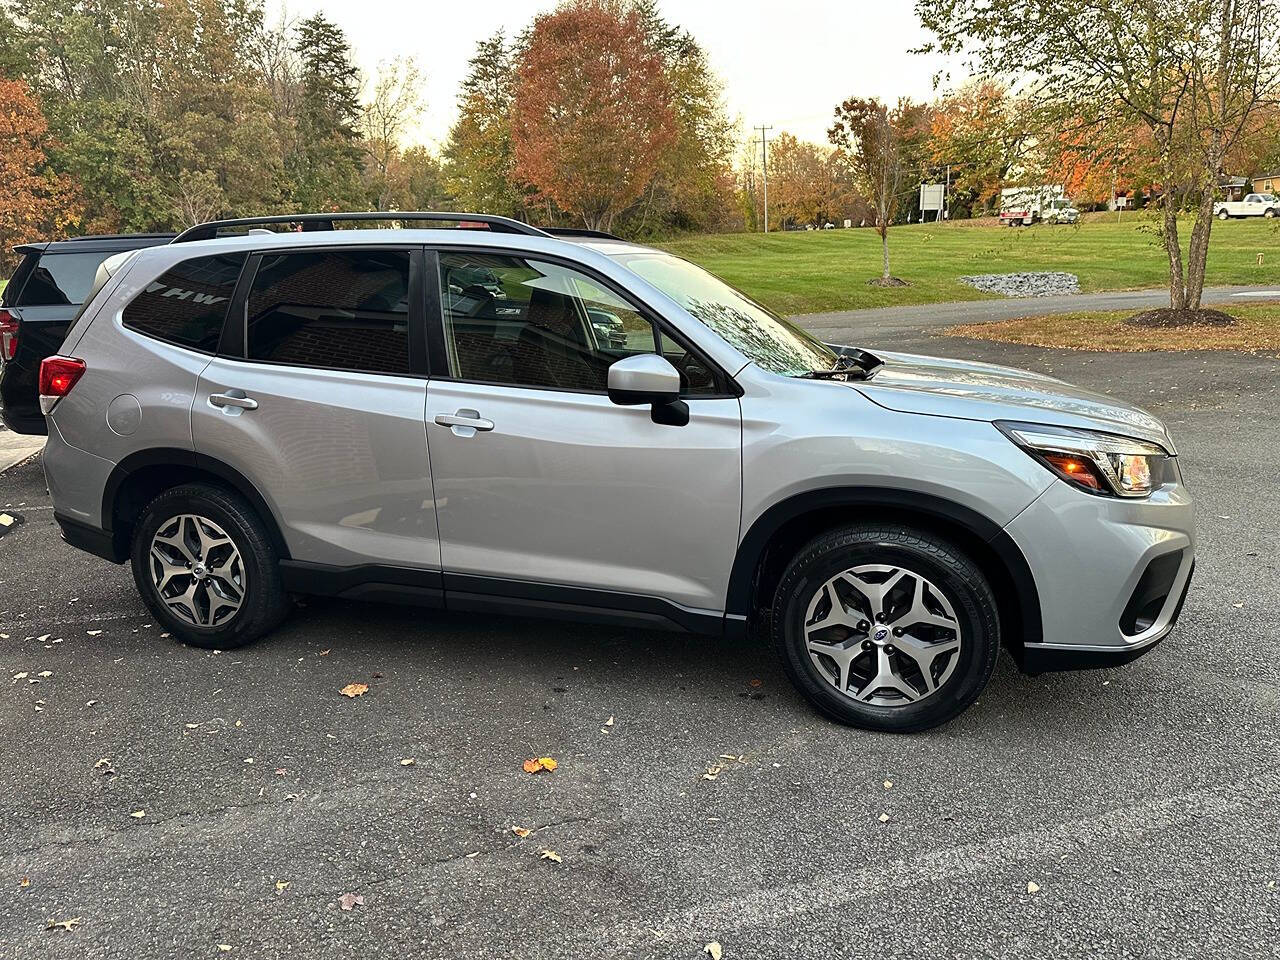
<point x="464" y="418"/>
<point x="231" y="400"/>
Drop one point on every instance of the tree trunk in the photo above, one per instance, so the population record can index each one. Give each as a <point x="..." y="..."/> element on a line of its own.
<point x="1169" y="233"/>
<point x="1198" y="255"/>
<point x="884" y="250"/>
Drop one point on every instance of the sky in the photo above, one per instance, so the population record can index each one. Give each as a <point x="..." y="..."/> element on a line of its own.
<point x="785" y="63"/>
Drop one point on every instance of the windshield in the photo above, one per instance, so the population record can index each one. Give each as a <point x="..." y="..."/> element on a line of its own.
<point x="759" y="334"/>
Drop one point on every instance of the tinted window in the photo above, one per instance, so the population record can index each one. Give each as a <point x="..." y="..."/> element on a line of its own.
<point x="61" y="279"/>
<point x="340" y="309"/>
<point x="188" y="304"/>
<point x="532" y="323"/>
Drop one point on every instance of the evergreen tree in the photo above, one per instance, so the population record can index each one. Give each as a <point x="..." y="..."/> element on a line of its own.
<point x="326" y="165"/>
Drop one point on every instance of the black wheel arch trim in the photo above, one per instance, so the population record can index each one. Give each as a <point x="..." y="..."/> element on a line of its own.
<point x="175" y="457"/>
<point x="752" y="548"/>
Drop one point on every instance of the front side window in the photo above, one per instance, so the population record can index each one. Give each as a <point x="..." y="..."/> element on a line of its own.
<point x="527" y="322"/>
<point x="757" y="333"/>
<point x="336" y="309"/>
<point x="188" y="304"/>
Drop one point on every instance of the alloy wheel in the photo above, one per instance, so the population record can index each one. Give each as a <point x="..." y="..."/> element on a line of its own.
<point x="197" y="571"/>
<point x="882" y="635"/>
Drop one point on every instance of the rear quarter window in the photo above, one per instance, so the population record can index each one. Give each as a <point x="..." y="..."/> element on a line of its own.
<point x="59" y="279"/>
<point x="188" y="304"/>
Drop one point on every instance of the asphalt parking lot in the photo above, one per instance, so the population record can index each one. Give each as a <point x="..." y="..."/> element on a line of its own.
<point x="1142" y="802"/>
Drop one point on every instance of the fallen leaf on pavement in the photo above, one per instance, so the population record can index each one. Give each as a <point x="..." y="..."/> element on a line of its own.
<point x="21" y="676"/>
<point x="138" y="814"/>
<point x="24" y="882"/>
<point x="354" y="690"/>
<point x="224" y="947"/>
<point x="888" y="784"/>
<point x="609" y="722"/>
<point x="884" y="818"/>
<point x="94" y="633"/>
<point x="1033" y="887"/>
<point x="63" y="924"/>
<point x="349" y="900"/>
<point x="539" y="764"/>
<point x="521" y="831"/>
<point x="757" y="683"/>
<point x="552" y="856"/>
<point x="324" y="653"/>
<point x="408" y="762"/>
<point x="714" y="950"/>
<point x="45" y="673"/>
<point x="282" y="885"/>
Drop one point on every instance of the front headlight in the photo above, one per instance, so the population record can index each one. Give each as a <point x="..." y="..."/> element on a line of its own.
<point x="1096" y="462"/>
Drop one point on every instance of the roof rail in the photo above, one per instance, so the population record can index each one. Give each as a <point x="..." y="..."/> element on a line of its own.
<point x="579" y="232"/>
<point x="119" y="236"/>
<point x="325" y="221"/>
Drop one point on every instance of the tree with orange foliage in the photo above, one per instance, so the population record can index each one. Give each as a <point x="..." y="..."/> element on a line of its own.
<point x="592" y="111"/>
<point x="34" y="201"/>
<point x="979" y="131"/>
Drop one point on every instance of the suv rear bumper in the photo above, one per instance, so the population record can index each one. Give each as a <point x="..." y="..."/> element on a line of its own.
<point x="1112" y="574"/>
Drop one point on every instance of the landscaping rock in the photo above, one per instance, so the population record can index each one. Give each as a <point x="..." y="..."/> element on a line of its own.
<point x="1039" y="284"/>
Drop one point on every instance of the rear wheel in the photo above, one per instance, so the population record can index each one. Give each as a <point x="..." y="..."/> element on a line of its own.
<point x="204" y="563"/>
<point x="886" y="627"/>
<point x="1269" y="213"/>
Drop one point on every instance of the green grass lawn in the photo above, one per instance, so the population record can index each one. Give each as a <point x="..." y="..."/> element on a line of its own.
<point x="814" y="271"/>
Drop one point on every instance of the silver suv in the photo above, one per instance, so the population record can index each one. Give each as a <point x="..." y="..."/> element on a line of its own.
<point x="353" y="413"/>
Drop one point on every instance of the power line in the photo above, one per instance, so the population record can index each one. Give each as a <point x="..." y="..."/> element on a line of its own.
<point x="764" y="148"/>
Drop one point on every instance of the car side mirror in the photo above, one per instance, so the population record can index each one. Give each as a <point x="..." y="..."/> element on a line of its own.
<point x="649" y="378"/>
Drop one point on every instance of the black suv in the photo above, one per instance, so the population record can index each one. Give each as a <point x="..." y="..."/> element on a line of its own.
<point x="37" y="307"/>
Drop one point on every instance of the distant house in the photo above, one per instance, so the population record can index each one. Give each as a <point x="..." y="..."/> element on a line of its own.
<point x="1267" y="182"/>
<point x="1233" y="188"/>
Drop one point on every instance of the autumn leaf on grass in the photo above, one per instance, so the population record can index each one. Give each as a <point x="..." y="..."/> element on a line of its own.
<point x="552" y="856"/>
<point x="521" y="832"/>
<point x="63" y="924"/>
<point x="354" y="690"/>
<point x="540" y="764"/>
<point x="349" y="901"/>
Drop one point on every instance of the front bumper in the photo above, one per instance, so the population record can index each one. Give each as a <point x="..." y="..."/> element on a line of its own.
<point x="1112" y="574"/>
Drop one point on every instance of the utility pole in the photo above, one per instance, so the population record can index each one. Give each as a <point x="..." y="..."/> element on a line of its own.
<point x="946" y="196"/>
<point x="764" y="147"/>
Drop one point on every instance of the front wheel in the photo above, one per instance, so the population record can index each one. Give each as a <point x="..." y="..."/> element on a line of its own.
<point x="204" y="563"/>
<point x="886" y="627"/>
<point x="1223" y="215"/>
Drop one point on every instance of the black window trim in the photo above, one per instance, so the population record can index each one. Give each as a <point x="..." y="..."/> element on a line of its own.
<point x="235" y="341"/>
<point x="727" y="387"/>
<point x="226" y="317"/>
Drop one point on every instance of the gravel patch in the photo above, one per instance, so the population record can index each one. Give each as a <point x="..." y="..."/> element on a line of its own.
<point x="1040" y="284"/>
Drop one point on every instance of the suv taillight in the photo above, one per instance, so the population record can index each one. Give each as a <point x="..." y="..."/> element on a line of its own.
<point x="8" y="335"/>
<point x="57" y="376"/>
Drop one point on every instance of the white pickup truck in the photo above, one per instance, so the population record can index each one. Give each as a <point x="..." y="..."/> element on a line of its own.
<point x="1253" y="205"/>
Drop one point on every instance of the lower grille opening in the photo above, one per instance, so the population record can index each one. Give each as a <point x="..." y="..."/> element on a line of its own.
<point x="1150" y="594"/>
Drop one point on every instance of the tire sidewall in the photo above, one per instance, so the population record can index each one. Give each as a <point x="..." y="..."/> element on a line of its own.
<point x="973" y="607"/>
<point x="240" y="629"/>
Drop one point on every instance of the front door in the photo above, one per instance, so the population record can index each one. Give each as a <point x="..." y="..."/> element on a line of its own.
<point x="323" y="410"/>
<point x="540" y="479"/>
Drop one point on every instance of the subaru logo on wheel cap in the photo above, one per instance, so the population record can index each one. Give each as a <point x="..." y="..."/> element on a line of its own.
<point x="881" y="632"/>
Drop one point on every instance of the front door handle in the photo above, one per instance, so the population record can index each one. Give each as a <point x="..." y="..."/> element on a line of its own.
<point x="233" y="399"/>
<point x="465" y="423"/>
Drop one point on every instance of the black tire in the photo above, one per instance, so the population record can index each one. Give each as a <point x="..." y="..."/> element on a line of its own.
<point x="935" y="559"/>
<point x="264" y="603"/>
<point x="1223" y="215"/>
<point x="1269" y="213"/>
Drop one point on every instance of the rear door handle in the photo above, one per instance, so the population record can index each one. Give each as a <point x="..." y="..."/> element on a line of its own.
<point x="465" y="423"/>
<point x="233" y="399"/>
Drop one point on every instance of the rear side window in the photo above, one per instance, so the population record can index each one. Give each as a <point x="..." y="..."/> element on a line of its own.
<point x="187" y="305"/>
<point x="338" y="309"/>
<point x="60" y="280"/>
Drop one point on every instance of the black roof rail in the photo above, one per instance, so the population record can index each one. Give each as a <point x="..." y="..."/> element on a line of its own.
<point x="579" y="232"/>
<point x="119" y="236"/>
<point x="325" y="221"/>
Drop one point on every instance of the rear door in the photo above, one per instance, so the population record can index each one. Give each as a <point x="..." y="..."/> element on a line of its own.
<point x="317" y="397"/>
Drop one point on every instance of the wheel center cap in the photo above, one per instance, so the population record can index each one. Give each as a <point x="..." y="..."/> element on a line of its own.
<point x="199" y="571"/>
<point x="881" y="634"/>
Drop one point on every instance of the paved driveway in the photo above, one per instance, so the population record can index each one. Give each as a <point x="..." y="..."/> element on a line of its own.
<point x="1143" y="802"/>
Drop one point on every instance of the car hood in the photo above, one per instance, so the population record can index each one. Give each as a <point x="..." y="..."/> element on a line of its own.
<point x="985" y="391"/>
